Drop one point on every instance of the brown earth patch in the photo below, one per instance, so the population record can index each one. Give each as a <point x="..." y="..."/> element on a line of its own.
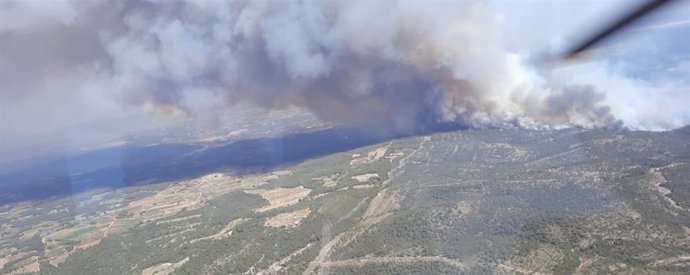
<point x="289" y="220"/>
<point x="164" y="268"/>
<point x="366" y="177"/>
<point x="280" y="197"/>
<point x="370" y="157"/>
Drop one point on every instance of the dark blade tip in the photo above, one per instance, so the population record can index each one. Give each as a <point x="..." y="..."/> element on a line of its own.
<point x="619" y="24"/>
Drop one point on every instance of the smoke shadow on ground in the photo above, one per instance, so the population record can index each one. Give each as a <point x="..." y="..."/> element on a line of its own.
<point x="130" y="165"/>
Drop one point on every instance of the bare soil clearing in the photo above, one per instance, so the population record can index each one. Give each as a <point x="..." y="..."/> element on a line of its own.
<point x="370" y="157"/>
<point x="164" y="268"/>
<point x="280" y="197"/>
<point x="365" y="177"/>
<point x="288" y="220"/>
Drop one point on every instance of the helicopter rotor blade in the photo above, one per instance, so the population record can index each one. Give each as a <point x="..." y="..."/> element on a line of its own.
<point x="616" y="26"/>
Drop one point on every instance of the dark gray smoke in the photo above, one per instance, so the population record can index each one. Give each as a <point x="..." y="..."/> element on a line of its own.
<point x="392" y="65"/>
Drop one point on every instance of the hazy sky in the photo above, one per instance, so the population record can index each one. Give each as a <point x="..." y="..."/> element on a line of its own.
<point x="395" y="64"/>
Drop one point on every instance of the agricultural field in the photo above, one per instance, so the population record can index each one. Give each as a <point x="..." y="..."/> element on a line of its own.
<point x="333" y="201"/>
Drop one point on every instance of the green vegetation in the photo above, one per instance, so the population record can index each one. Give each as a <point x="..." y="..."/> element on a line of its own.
<point x="483" y="200"/>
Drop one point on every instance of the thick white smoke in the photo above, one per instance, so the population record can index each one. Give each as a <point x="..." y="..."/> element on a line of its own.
<point x="393" y="65"/>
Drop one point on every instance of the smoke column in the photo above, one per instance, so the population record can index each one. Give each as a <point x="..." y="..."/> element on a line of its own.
<point x="400" y="66"/>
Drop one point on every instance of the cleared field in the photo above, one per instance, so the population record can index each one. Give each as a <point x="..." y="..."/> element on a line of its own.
<point x="365" y="177"/>
<point x="280" y="197"/>
<point x="164" y="268"/>
<point x="288" y="220"/>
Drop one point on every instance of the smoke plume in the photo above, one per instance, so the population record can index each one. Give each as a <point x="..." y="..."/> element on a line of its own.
<point x="401" y="66"/>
